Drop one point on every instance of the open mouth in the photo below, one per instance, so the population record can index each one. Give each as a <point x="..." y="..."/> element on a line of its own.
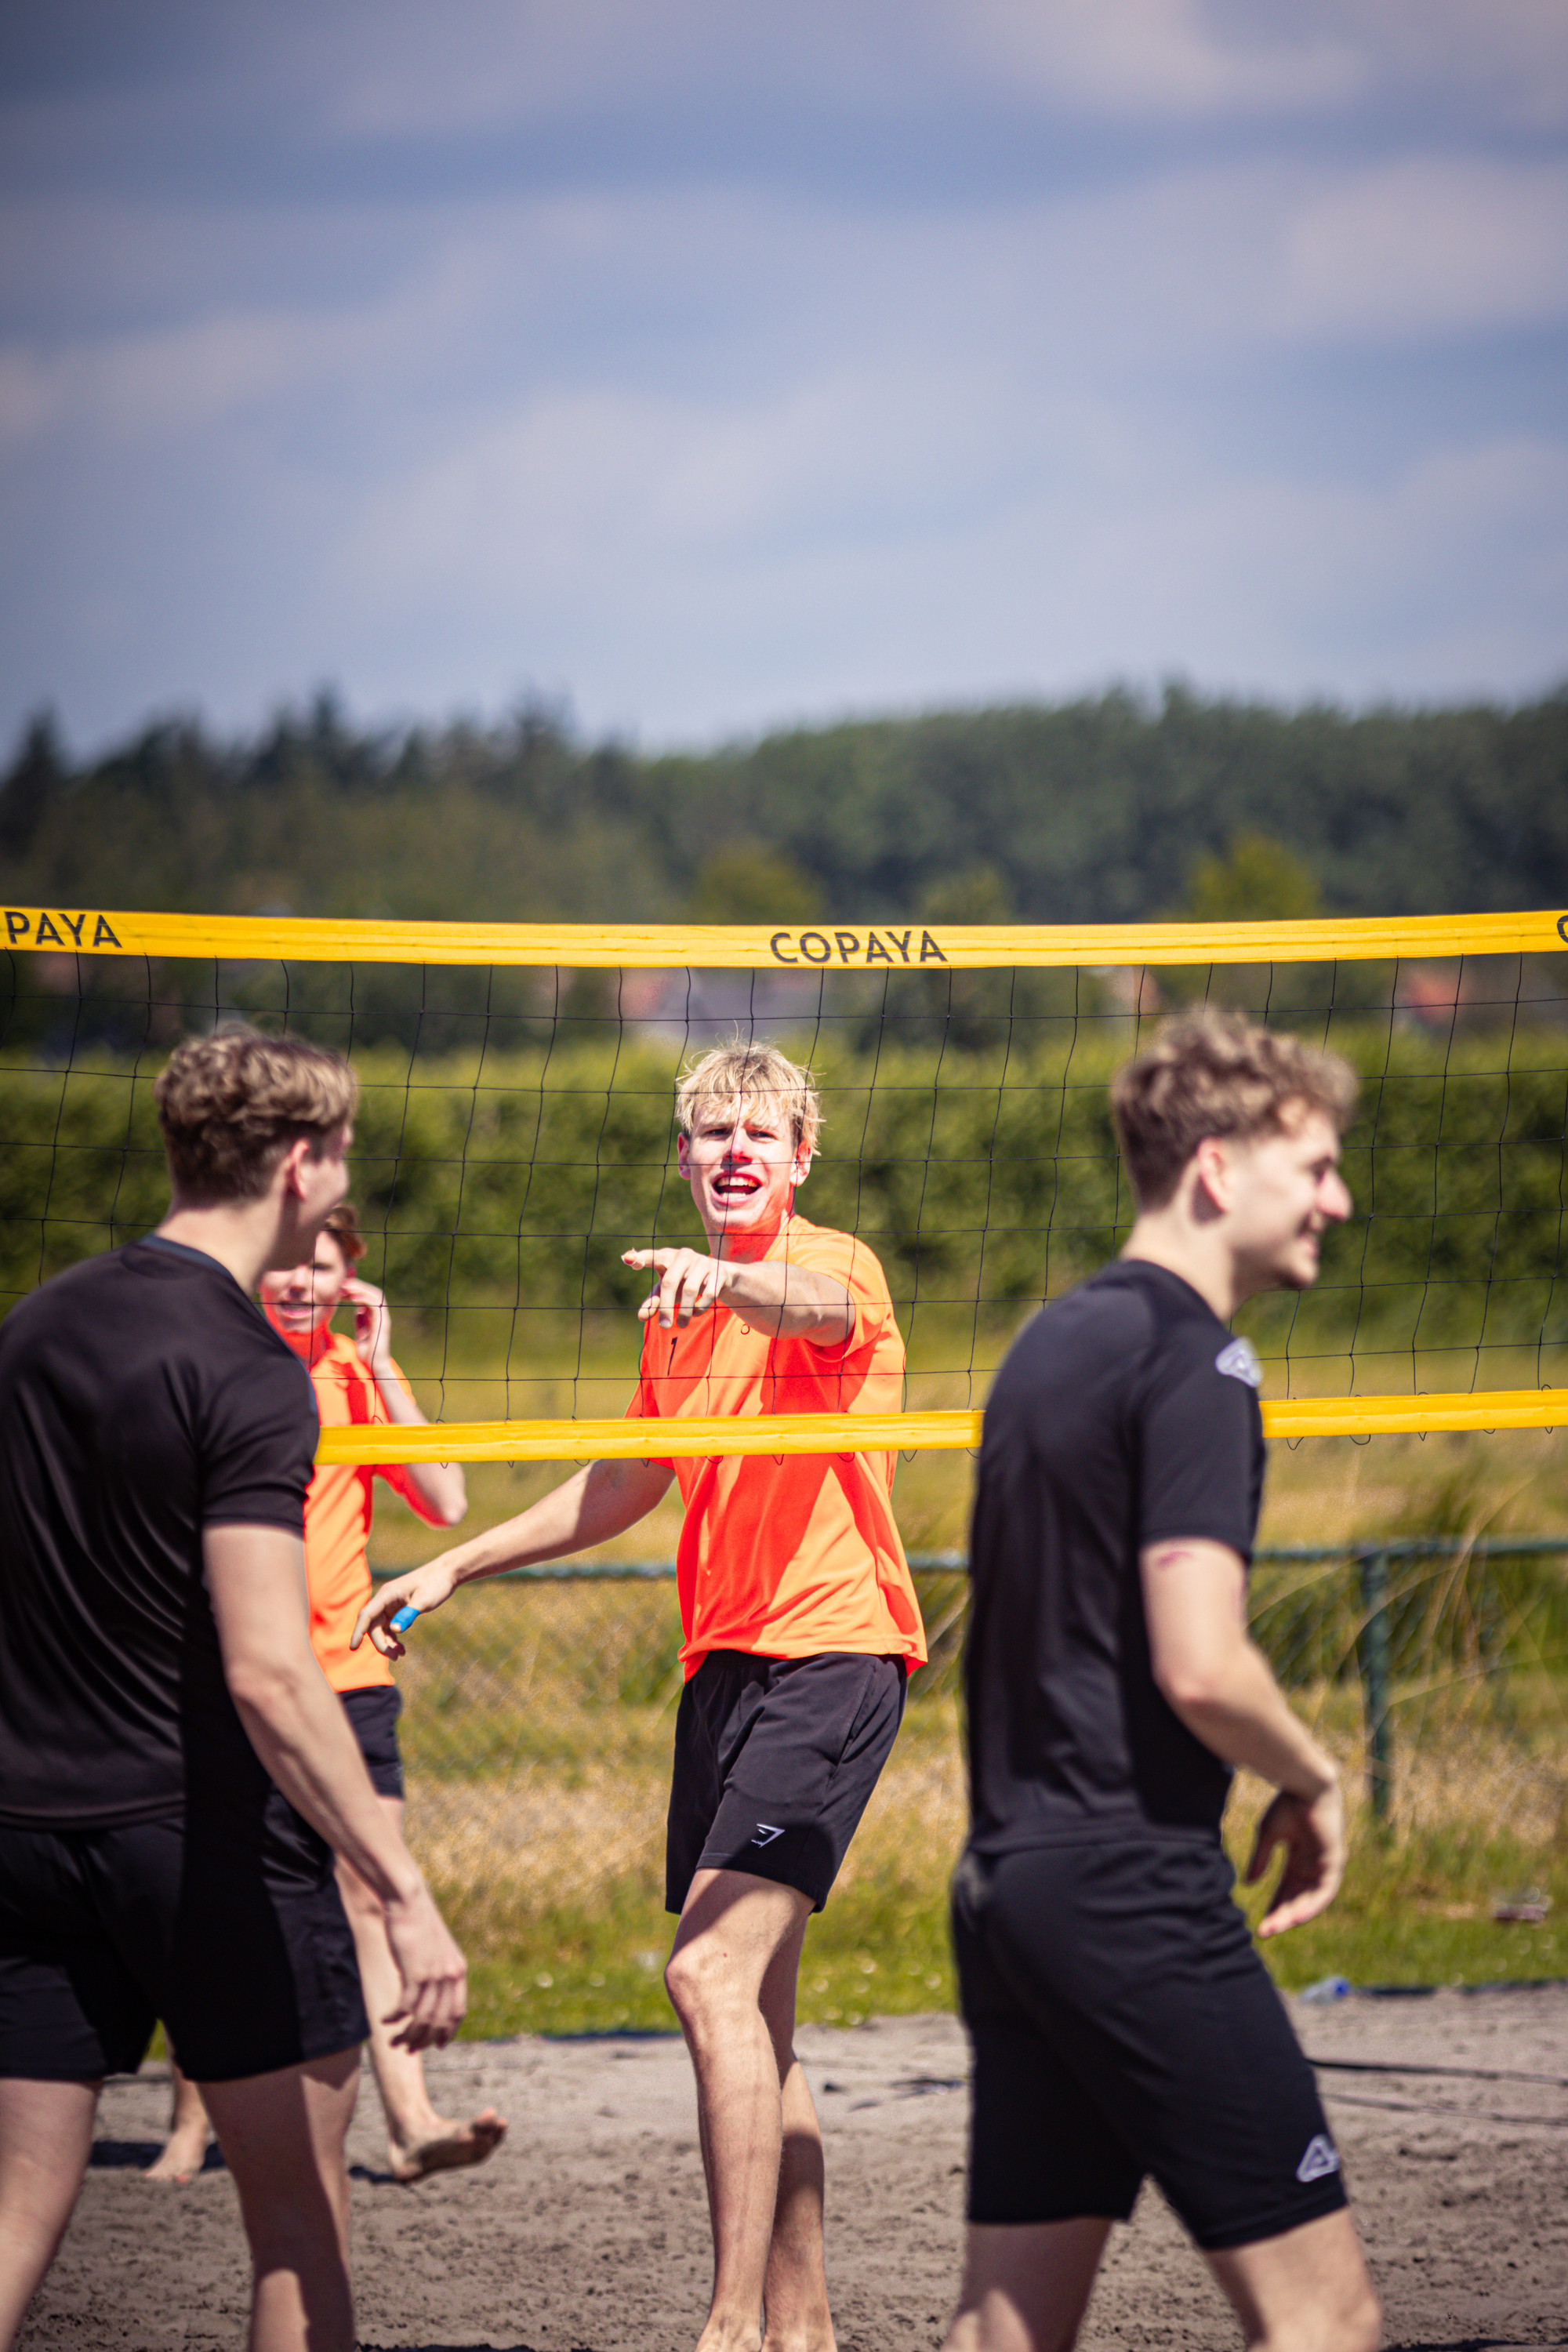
<point x="736" y="1187"/>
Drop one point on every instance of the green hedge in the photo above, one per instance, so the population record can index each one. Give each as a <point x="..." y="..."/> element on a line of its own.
<point x="981" y="1181"/>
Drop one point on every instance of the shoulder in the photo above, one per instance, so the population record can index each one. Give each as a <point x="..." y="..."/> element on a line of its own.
<point x="1193" y="1356"/>
<point x="244" y="1358"/>
<point x="53" y="1312"/>
<point x="1107" y="1313"/>
<point x="1098" y="1328"/>
<point x="829" y="1251"/>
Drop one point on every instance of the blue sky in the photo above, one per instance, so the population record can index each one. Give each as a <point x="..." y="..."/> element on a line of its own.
<point x="714" y="366"/>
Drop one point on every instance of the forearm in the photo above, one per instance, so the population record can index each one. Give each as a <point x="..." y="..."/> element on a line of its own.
<point x="603" y="1499"/>
<point x="440" y="1490"/>
<point x="792" y="1302"/>
<point x="297" y="1726"/>
<point x="1238" y="1711"/>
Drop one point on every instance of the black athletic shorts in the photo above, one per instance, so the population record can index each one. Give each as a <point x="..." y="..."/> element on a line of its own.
<point x="239" y="1944"/>
<point x="372" y="1717"/>
<point x="1123" y="2024"/>
<point x="774" y="1759"/>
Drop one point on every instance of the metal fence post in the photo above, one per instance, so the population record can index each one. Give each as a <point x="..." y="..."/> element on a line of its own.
<point x="1371" y="1654"/>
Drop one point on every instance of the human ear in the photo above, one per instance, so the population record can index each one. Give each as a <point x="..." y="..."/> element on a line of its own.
<point x="293" y="1160"/>
<point x="1216" y="1170"/>
<point x="683" y="1156"/>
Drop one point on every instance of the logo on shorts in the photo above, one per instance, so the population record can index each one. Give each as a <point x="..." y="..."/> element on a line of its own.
<point x="1238" y="1362"/>
<point x="764" y="1835"/>
<point x="1322" y="2158"/>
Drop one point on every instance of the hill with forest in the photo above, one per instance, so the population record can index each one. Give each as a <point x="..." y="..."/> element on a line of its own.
<point x="1100" y="810"/>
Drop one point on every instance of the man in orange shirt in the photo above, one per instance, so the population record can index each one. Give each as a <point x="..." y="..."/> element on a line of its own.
<point x="801" y="1625"/>
<point x="357" y="1384"/>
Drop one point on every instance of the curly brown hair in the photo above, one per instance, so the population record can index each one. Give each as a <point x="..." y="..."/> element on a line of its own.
<point x="343" y="1224"/>
<point x="1213" y="1073"/>
<point x="230" y="1105"/>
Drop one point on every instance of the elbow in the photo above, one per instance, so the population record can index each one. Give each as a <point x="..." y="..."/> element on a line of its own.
<point x="453" y="1513"/>
<point x="1189" y="1686"/>
<point x="260" y="1686"/>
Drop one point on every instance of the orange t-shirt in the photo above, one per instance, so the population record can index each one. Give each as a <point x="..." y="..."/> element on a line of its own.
<point x="338" y="1505"/>
<point x="788" y="1557"/>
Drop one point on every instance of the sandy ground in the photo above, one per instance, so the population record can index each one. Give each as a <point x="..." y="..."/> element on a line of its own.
<point x="588" y="2233"/>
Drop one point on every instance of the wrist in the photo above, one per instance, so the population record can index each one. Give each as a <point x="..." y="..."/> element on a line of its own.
<point x="1319" y="1779"/>
<point x="404" y="1885"/>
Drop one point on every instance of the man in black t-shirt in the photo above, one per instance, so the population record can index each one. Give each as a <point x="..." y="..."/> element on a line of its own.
<point x="1121" y="2020"/>
<point x="174" y="1771"/>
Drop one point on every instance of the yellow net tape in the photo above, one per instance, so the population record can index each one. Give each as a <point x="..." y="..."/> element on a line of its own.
<point x="860" y="947"/>
<point x="887" y="1433"/>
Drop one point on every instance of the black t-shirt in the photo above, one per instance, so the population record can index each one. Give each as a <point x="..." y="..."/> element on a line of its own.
<point x="1123" y="1415"/>
<point x="143" y="1398"/>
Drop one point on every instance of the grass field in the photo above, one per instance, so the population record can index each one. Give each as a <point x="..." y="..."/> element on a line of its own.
<point x="538" y="1723"/>
<point x="550" y="1879"/>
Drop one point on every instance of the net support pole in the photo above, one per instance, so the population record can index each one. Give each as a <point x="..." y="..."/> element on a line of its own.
<point x="1371" y="1654"/>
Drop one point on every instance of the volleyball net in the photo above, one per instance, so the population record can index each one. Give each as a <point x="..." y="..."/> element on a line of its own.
<point x="516" y="1134"/>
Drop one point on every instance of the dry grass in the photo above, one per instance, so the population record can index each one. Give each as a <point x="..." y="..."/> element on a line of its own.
<point x="547" y="1835"/>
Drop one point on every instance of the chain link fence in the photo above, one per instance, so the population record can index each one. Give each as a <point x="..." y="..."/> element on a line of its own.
<point x="539" y="1707"/>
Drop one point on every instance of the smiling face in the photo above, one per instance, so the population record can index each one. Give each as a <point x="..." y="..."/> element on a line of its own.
<point x="1282" y="1191"/>
<point x="743" y="1164"/>
<point x="300" y="1299"/>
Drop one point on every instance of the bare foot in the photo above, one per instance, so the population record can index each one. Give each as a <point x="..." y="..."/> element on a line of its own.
<point x="182" y="2159"/>
<point x="449" y="2146"/>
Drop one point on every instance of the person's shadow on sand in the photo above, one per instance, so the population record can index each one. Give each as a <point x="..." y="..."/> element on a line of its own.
<point x="127" y="2154"/>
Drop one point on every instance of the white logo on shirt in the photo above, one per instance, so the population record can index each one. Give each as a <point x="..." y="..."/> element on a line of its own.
<point x="765" y="1836"/>
<point x="1239" y="1360"/>
<point x="1322" y="2158"/>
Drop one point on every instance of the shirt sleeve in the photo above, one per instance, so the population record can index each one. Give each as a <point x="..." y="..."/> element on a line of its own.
<point x="397" y="1475"/>
<point x="850" y="1261"/>
<point x="258" y="1445"/>
<point x="1199" y="1429"/>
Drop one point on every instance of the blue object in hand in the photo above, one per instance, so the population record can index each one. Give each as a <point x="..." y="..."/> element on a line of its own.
<point x="403" y="1618"/>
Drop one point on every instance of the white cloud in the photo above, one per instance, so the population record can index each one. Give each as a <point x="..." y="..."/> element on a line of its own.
<point x="705" y="443"/>
<point x="1160" y="58"/>
<point x="1435" y="244"/>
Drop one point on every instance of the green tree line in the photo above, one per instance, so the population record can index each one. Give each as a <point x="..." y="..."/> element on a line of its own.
<point x="1104" y="809"/>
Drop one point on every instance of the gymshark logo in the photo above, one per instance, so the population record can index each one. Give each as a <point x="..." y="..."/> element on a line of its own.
<point x="766" y="1834"/>
<point x="1238" y="1362"/>
<point x="1322" y="2158"/>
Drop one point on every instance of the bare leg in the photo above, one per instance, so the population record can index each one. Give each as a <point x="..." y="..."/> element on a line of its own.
<point x="46" y="2138"/>
<point x="731" y="1931"/>
<point x="1026" y="2286"/>
<point x="282" y="2136"/>
<point x="189" y="2130"/>
<point x="794" y="2293"/>
<point x="419" y="2140"/>
<point x="1304" y="2291"/>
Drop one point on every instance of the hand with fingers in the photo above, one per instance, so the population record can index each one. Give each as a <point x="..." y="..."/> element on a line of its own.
<point x="1312" y="1832"/>
<point x="434" y="1975"/>
<point x="419" y="1588"/>
<point x="372" y="1323"/>
<point x="688" y="1283"/>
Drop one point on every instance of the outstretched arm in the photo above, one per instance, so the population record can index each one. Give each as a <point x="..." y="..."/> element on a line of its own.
<point x="791" y="1302"/>
<point x="603" y="1499"/>
<point x="256" y="1578"/>
<point x="1215" y="1677"/>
